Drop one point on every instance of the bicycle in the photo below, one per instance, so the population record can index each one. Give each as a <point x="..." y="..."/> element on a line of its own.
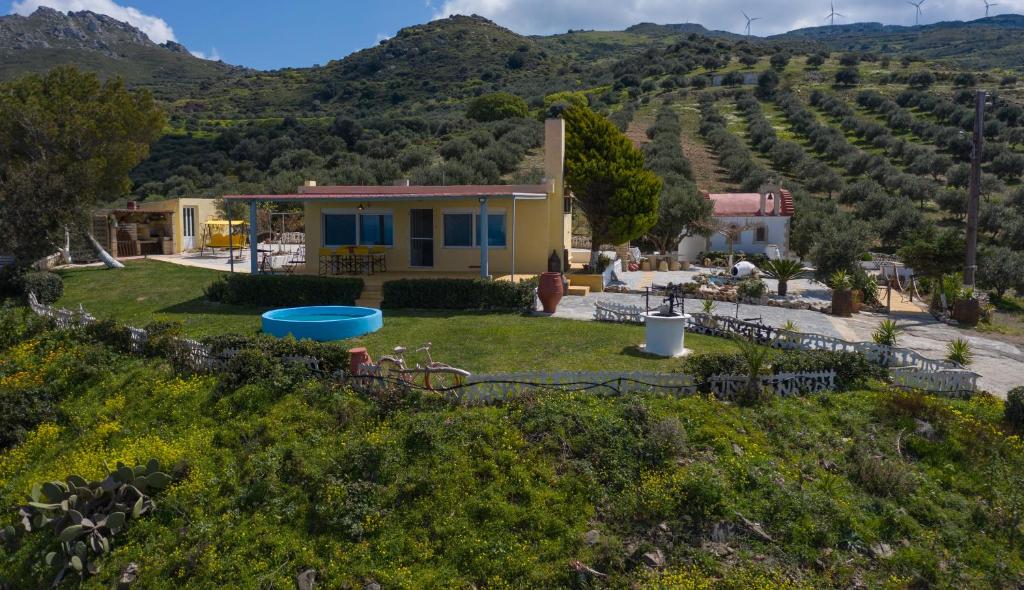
<point x="433" y="376"/>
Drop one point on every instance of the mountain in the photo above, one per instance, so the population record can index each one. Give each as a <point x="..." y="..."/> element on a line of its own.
<point x="996" y="41"/>
<point x="101" y="44"/>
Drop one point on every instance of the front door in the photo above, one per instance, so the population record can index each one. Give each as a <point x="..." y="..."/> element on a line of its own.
<point x="188" y="221"/>
<point x="421" y="237"/>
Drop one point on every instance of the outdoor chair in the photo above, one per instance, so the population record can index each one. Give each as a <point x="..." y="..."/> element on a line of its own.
<point x="379" y="259"/>
<point x="361" y="260"/>
<point x="344" y="260"/>
<point x="326" y="261"/>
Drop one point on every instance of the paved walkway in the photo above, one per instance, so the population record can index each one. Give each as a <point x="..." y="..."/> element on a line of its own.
<point x="1001" y="365"/>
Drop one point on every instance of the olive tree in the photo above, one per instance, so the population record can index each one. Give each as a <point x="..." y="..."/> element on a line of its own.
<point x="67" y="143"/>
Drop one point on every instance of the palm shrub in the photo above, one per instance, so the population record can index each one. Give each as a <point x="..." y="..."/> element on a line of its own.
<point x="784" y="270"/>
<point x="756" y="363"/>
<point x="840" y="280"/>
<point x="886" y="333"/>
<point x="959" y="352"/>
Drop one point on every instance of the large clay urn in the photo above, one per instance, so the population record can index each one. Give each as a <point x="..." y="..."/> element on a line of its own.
<point x="550" y="290"/>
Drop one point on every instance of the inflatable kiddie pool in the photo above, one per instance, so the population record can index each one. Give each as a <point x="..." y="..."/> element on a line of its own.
<point x="322" y="323"/>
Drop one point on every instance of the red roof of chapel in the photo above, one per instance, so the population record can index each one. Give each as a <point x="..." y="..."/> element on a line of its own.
<point x="747" y="204"/>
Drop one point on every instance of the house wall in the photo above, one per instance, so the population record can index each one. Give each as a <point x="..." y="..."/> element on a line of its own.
<point x="777" y="235"/>
<point x="532" y="234"/>
<point x="206" y="209"/>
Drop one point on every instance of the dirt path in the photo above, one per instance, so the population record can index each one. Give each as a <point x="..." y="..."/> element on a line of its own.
<point x="707" y="173"/>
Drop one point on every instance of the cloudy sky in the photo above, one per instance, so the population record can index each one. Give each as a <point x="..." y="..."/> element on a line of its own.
<point x="269" y="34"/>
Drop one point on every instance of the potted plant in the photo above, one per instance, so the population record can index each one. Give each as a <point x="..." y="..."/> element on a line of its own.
<point x="784" y="270"/>
<point x="967" y="308"/>
<point x="842" y="293"/>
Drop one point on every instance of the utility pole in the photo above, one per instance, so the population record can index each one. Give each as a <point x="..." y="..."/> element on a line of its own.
<point x="975" y="196"/>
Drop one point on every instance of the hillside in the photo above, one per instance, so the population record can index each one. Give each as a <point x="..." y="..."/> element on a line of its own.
<point x="100" y="44"/>
<point x="993" y="42"/>
<point x="273" y="474"/>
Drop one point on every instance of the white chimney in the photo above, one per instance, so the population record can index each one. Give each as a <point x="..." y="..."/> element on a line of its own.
<point x="310" y="183"/>
<point x="554" y="150"/>
<point x="763" y="200"/>
<point x="402" y="182"/>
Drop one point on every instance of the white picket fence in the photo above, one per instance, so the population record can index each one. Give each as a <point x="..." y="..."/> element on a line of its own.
<point x="908" y="368"/>
<point x="483" y="389"/>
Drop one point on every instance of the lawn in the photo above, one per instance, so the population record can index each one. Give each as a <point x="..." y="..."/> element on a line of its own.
<point x="146" y="291"/>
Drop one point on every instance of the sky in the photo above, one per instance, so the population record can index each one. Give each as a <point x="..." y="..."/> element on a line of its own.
<point x="269" y="35"/>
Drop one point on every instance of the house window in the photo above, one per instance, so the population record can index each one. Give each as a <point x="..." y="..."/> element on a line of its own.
<point x="339" y="229"/>
<point x="495" y="230"/>
<point x="376" y="229"/>
<point x="358" y="229"/>
<point x="462" y="230"/>
<point x="458" y="230"/>
<point x="760" y="234"/>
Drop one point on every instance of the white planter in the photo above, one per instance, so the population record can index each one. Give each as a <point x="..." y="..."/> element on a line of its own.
<point x="665" y="335"/>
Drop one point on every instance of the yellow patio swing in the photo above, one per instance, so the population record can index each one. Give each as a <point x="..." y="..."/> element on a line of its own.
<point x="215" y="236"/>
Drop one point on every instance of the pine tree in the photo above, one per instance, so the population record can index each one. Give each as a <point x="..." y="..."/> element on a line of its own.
<point x="606" y="174"/>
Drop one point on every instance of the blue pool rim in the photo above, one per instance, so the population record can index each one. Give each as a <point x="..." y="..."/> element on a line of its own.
<point x="353" y="321"/>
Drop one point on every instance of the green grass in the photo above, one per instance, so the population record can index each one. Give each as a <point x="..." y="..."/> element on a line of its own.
<point x="146" y="291"/>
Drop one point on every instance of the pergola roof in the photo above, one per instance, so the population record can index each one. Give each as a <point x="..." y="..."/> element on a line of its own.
<point x="401" y="193"/>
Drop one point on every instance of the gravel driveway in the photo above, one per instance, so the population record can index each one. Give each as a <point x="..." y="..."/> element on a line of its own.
<point x="1000" y="364"/>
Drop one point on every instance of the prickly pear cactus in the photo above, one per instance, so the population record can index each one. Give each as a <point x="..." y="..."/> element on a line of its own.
<point x="84" y="516"/>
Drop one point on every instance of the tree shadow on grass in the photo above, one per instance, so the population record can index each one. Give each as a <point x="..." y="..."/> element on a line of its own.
<point x="636" y="352"/>
<point x="202" y="305"/>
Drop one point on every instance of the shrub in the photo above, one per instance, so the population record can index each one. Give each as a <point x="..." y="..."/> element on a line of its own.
<point x="111" y="333"/>
<point x="464" y="294"/>
<point x="852" y="368"/>
<point x="18" y="324"/>
<point x="47" y="286"/>
<point x="331" y="357"/>
<point x="665" y="441"/>
<point x="496" y="106"/>
<point x="880" y="475"/>
<point x="704" y="366"/>
<point x="751" y="289"/>
<point x="21" y="410"/>
<point x="1013" y="409"/>
<point x="272" y="290"/>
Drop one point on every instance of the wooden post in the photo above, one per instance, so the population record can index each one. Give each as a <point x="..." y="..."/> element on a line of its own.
<point x="971" y="264"/>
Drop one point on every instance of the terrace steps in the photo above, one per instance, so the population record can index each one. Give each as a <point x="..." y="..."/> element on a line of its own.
<point x="578" y="291"/>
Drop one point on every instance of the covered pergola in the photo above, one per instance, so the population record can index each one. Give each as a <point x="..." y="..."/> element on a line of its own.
<point x="365" y="196"/>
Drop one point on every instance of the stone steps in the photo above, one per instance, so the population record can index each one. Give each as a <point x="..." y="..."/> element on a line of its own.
<point x="578" y="291"/>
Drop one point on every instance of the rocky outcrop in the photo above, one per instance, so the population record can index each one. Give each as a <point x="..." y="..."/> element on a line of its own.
<point x="47" y="28"/>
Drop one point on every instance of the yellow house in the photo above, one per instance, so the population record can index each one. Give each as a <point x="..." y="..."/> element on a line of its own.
<point x="187" y="221"/>
<point x="440" y="228"/>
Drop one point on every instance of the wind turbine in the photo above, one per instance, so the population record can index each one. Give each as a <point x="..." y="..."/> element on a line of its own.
<point x="989" y="5"/>
<point x="917" y="5"/>
<point x="833" y="14"/>
<point x="749" y="20"/>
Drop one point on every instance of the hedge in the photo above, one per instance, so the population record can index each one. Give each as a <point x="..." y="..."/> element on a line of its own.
<point x="461" y="294"/>
<point x="47" y="286"/>
<point x="331" y="356"/>
<point x="852" y="368"/>
<point x="292" y="290"/>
